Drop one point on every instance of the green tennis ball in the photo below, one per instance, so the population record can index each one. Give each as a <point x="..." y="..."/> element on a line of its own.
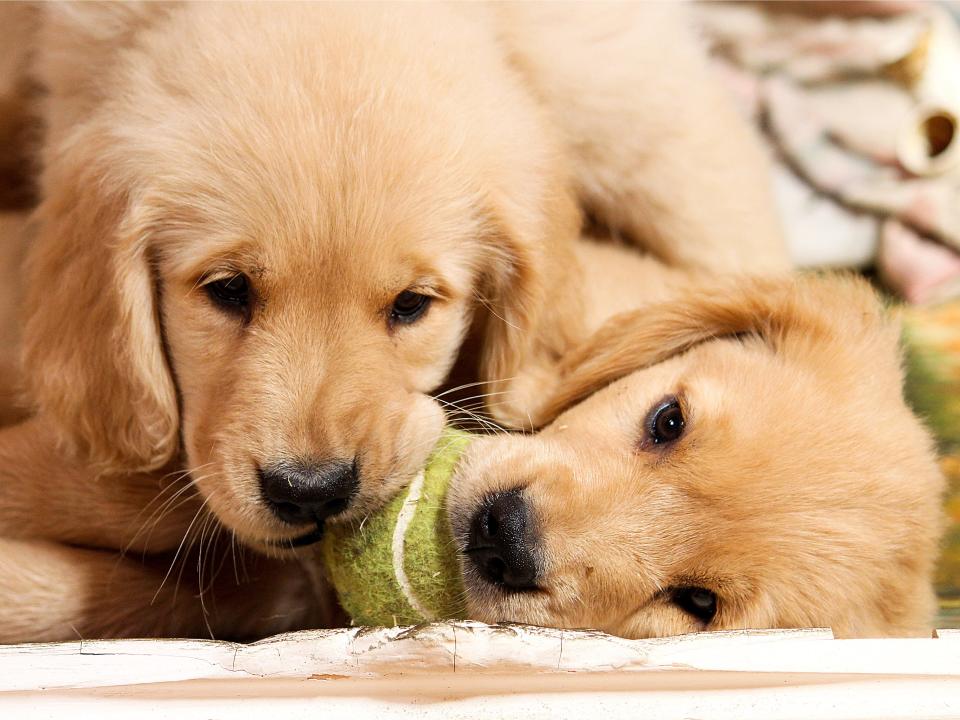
<point x="399" y="566"/>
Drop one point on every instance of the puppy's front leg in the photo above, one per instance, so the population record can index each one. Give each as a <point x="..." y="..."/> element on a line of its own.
<point x="51" y="592"/>
<point x="155" y="563"/>
<point x="46" y="493"/>
<point x="659" y="152"/>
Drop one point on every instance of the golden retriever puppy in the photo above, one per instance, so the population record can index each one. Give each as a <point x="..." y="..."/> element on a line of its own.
<point x="266" y="229"/>
<point x="734" y="456"/>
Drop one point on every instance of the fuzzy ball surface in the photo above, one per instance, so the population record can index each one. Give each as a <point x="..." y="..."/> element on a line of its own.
<point x="399" y="566"/>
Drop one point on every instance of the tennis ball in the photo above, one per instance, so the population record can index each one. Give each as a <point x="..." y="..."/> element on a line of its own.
<point x="399" y="566"/>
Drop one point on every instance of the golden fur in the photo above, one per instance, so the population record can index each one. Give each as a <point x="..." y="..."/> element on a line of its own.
<point x="336" y="155"/>
<point x="17" y="127"/>
<point x="12" y="245"/>
<point x="803" y="491"/>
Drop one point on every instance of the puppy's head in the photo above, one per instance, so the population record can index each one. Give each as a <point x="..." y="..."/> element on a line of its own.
<point x="745" y="459"/>
<point x="264" y="237"/>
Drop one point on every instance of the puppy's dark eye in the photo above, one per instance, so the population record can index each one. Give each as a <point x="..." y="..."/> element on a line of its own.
<point x="665" y="423"/>
<point x="696" y="601"/>
<point x="408" y="307"/>
<point x="231" y="293"/>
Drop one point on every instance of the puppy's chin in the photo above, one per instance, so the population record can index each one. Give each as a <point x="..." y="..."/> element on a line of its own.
<point x="231" y="489"/>
<point x="232" y="494"/>
<point x="492" y="604"/>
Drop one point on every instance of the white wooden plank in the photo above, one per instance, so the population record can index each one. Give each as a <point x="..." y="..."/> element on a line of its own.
<point x="445" y="648"/>
<point x="470" y="670"/>
<point x="608" y="696"/>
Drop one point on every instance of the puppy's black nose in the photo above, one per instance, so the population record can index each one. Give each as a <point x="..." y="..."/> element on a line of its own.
<point x="301" y="492"/>
<point x="503" y="543"/>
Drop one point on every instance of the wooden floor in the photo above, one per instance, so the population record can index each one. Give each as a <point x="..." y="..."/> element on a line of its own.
<point x="470" y="670"/>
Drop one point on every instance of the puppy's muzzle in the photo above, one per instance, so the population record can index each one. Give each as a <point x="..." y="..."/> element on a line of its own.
<point x="300" y="492"/>
<point x="502" y="543"/>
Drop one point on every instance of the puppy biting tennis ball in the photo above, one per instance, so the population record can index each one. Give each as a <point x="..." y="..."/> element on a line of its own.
<point x="616" y="515"/>
<point x="400" y="566"/>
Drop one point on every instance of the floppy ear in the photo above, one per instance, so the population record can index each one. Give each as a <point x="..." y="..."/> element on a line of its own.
<point x="824" y="321"/>
<point x="93" y="354"/>
<point x="534" y="309"/>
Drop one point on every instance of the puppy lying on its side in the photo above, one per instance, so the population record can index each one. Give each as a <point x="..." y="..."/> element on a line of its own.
<point x="732" y="455"/>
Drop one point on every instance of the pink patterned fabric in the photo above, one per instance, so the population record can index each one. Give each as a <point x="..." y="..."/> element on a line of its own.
<point x="833" y="97"/>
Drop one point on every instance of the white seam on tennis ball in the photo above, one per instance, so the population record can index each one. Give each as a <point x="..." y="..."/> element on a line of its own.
<point x="404" y="518"/>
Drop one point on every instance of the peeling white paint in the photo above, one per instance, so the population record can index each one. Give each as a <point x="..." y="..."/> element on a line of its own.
<point x="468" y="669"/>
